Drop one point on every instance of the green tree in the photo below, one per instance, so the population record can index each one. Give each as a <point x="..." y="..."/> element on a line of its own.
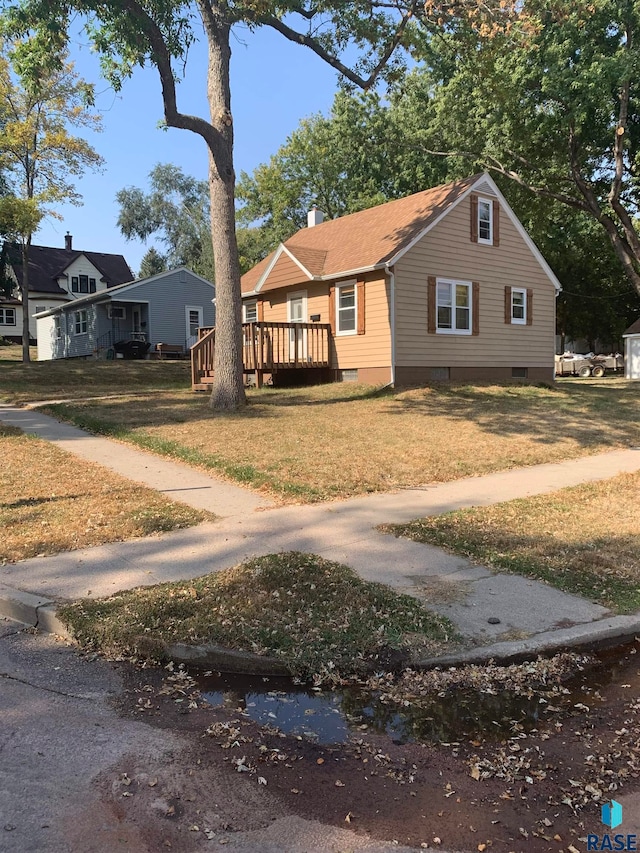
<point x="152" y="263"/>
<point x="38" y="154"/>
<point x="176" y="210"/>
<point x="552" y="105"/>
<point x="132" y="32"/>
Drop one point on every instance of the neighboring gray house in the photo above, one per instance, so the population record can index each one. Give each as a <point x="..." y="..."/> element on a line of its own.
<point x="166" y="308"/>
<point x="632" y="351"/>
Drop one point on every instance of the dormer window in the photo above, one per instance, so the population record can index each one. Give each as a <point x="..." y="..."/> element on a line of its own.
<point x="485" y="221"/>
<point x="83" y="284"/>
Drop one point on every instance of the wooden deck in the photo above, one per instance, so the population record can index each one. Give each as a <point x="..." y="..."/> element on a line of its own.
<point x="266" y="348"/>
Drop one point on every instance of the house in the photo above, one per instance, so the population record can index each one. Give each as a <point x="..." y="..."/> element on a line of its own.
<point x="632" y="351"/>
<point x="11" y="319"/>
<point x="441" y="285"/>
<point x="58" y="275"/>
<point x="167" y="308"/>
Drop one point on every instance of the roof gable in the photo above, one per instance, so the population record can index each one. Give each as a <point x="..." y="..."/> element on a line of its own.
<point x="379" y="236"/>
<point x="634" y="329"/>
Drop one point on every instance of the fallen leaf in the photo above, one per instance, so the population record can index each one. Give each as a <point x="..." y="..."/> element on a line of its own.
<point x="339" y="784"/>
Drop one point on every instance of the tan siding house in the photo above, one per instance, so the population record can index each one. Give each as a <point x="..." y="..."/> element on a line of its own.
<point x="441" y="285"/>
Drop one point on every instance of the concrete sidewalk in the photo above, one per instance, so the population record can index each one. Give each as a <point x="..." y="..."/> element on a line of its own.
<point x="176" y="481"/>
<point x="470" y="594"/>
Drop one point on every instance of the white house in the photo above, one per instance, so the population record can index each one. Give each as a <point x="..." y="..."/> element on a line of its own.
<point x="57" y="276"/>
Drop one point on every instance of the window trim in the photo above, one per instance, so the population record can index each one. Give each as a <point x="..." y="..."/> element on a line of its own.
<point x="484" y="240"/>
<point x="517" y="321"/>
<point x="4" y="321"/>
<point x="76" y="314"/>
<point x="245" y="305"/>
<point x="453" y="282"/>
<point x="339" y="287"/>
<point x="187" y="318"/>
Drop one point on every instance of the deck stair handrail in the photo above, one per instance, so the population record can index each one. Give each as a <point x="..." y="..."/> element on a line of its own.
<point x="202" y="353"/>
<point x="104" y="342"/>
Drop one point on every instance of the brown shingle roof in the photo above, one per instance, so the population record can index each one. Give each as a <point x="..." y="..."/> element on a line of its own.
<point x="366" y="239"/>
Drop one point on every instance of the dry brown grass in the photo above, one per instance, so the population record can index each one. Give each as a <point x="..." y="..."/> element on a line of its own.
<point x="335" y="441"/>
<point x="51" y="501"/>
<point x="13" y="352"/>
<point x="584" y="539"/>
<point x="79" y="379"/>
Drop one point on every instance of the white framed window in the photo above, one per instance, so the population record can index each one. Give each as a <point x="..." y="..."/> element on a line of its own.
<point x="453" y="307"/>
<point x="7" y="316"/>
<point x="80" y="322"/>
<point x="346" y="308"/>
<point x="519" y="306"/>
<point x="250" y="311"/>
<point x="40" y="308"/>
<point x="485" y="221"/>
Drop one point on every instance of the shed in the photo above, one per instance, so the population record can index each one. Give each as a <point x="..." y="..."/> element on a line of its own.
<point x="632" y="351"/>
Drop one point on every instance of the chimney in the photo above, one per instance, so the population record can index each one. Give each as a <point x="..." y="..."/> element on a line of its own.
<point x="314" y="217"/>
<point x="67" y="241"/>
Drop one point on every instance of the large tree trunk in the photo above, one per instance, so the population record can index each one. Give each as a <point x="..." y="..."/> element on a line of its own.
<point x="24" y="293"/>
<point x="228" y="388"/>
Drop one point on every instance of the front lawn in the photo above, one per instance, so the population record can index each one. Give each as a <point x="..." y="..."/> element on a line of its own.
<point x="79" y="379"/>
<point x="51" y="501"/>
<point x="584" y="539"/>
<point x="335" y="441"/>
<point x="317" y="616"/>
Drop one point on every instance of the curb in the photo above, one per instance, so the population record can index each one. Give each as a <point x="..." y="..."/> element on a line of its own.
<point x="612" y="631"/>
<point x="38" y="612"/>
<point x="31" y="610"/>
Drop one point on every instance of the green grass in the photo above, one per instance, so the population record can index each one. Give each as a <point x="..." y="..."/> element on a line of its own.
<point x="584" y="540"/>
<point x="317" y="616"/>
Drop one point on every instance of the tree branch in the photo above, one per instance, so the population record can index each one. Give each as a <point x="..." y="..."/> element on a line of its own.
<point x="307" y="41"/>
<point x="162" y="60"/>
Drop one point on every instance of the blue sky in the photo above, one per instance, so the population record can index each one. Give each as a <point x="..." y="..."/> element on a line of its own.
<point x="274" y="85"/>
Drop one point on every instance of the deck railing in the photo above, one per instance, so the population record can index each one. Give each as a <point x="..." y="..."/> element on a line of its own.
<point x="267" y="347"/>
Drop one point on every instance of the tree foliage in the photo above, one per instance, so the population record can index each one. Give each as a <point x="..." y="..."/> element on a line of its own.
<point x="152" y="263"/>
<point x="176" y="210"/>
<point x="39" y="156"/>
<point x="554" y="107"/>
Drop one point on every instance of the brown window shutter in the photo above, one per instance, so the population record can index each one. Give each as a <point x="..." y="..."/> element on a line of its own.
<point x="260" y="311"/>
<point x="507" y="304"/>
<point x="474" y="217"/>
<point x="496" y="222"/>
<point x="431" y="304"/>
<point x="360" y="303"/>
<point x="332" y="309"/>
<point x="475" y="307"/>
<point x="529" y="306"/>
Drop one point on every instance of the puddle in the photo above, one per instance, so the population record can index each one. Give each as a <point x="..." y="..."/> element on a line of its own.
<point x="332" y="716"/>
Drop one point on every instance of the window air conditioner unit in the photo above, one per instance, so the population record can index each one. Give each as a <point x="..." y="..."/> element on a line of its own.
<point x="116" y="312"/>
